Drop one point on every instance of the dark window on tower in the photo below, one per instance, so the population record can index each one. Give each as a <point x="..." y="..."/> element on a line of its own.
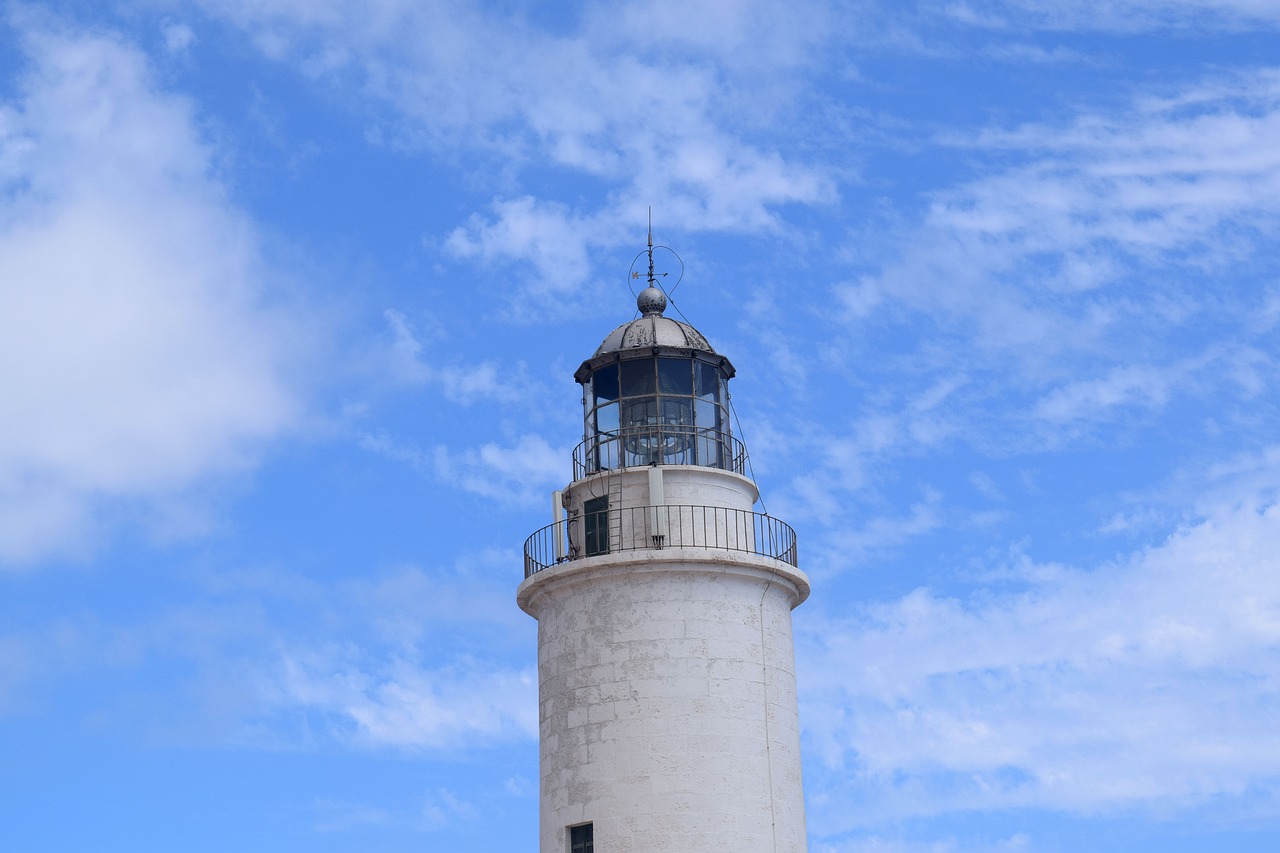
<point x="675" y="376"/>
<point x="605" y="383"/>
<point x="580" y="839"/>
<point x="638" y="377"/>
<point x="595" y="524"/>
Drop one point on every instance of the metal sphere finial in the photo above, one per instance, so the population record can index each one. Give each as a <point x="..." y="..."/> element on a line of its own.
<point x="651" y="301"/>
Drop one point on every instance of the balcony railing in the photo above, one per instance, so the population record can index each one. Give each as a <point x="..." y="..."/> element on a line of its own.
<point x="656" y="527"/>
<point x="660" y="444"/>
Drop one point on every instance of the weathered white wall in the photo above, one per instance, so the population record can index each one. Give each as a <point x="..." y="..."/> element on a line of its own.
<point x="683" y="486"/>
<point x="668" y="699"/>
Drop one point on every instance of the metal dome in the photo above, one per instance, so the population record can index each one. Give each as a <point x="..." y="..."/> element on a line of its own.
<point x="653" y="329"/>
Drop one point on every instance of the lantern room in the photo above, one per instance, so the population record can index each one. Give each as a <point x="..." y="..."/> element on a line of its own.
<point x="656" y="393"/>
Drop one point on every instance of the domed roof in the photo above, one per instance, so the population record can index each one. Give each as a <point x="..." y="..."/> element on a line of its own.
<point x="653" y="329"/>
<point x="651" y="334"/>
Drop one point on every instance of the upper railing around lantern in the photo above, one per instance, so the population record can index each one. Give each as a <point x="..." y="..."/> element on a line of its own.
<point x="659" y="444"/>
<point x="657" y="527"/>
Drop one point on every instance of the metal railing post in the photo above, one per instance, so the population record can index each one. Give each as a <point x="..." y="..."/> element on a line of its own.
<point x="721" y="528"/>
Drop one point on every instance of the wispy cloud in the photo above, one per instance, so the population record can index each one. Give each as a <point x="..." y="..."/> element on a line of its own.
<point x="656" y="120"/>
<point x="139" y="350"/>
<point x="275" y="660"/>
<point x="438" y="809"/>
<point x="876" y="843"/>
<point x="411" y="360"/>
<point x="1093" y="274"/>
<point x="401" y="704"/>
<point x="386" y="666"/>
<point x="1182" y="180"/>
<point x="1125" y="16"/>
<point x="1144" y="683"/>
<point x="523" y="473"/>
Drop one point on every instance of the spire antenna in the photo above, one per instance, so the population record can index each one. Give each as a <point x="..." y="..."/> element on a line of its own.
<point x="651" y="276"/>
<point x="652" y="300"/>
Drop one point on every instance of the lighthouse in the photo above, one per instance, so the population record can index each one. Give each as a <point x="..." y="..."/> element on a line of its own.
<point x="666" y="669"/>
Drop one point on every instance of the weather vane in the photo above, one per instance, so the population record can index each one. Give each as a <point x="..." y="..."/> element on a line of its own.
<point x="653" y="276"/>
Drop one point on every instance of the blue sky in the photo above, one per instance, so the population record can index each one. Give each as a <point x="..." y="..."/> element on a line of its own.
<point x="291" y="295"/>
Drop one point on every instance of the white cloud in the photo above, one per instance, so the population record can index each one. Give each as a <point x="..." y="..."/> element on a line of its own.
<point x="1035" y="55"/>
<point x="1044" y="256"/>
<point x="178" y="37"/>
<point x="444" y="808"/>
<point x="1100" y="273"/>
<point x="138" y="353"/>
<point x="520" y="786"/>
<point x="380" y="663"/>
<point x="879" y="844"/>
<point x="465" y="384"/>
<point x="1130" y="385"/>
<point x="274" y="660"/>
<point x="342" y="816"/>
<point x="747" y="35"/>
<point x="15" y="668"/>
<point x="1151" y="682"/>
<point x="1115" y="15"/>
<point x="672" y="122"/>
<point x="403" y="704"/>
<point x="545" y="234"/>
<point x="522" y="474"/>
<point x="440" y="808"/>
<point x="875" y="534"/>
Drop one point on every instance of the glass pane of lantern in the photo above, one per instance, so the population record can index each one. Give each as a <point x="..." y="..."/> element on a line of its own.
<point x="605" y="383"/>
<point x="677" y="411"/>
<point x="708" y="422"/>
<point x="641" y="433"/>
<point x="708" y="450"/>
<point x="675" y="376"/>
<point x="639" y="413"/>
<point x="708" y="416"/>
<point x="607" y="418"/>
<point x="637" y="377"/>
<point x="708" y="381"/>
<point x="677" y="430"/>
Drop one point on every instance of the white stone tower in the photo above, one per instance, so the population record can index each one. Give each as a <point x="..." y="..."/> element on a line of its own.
<point x="666" y="672"/>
